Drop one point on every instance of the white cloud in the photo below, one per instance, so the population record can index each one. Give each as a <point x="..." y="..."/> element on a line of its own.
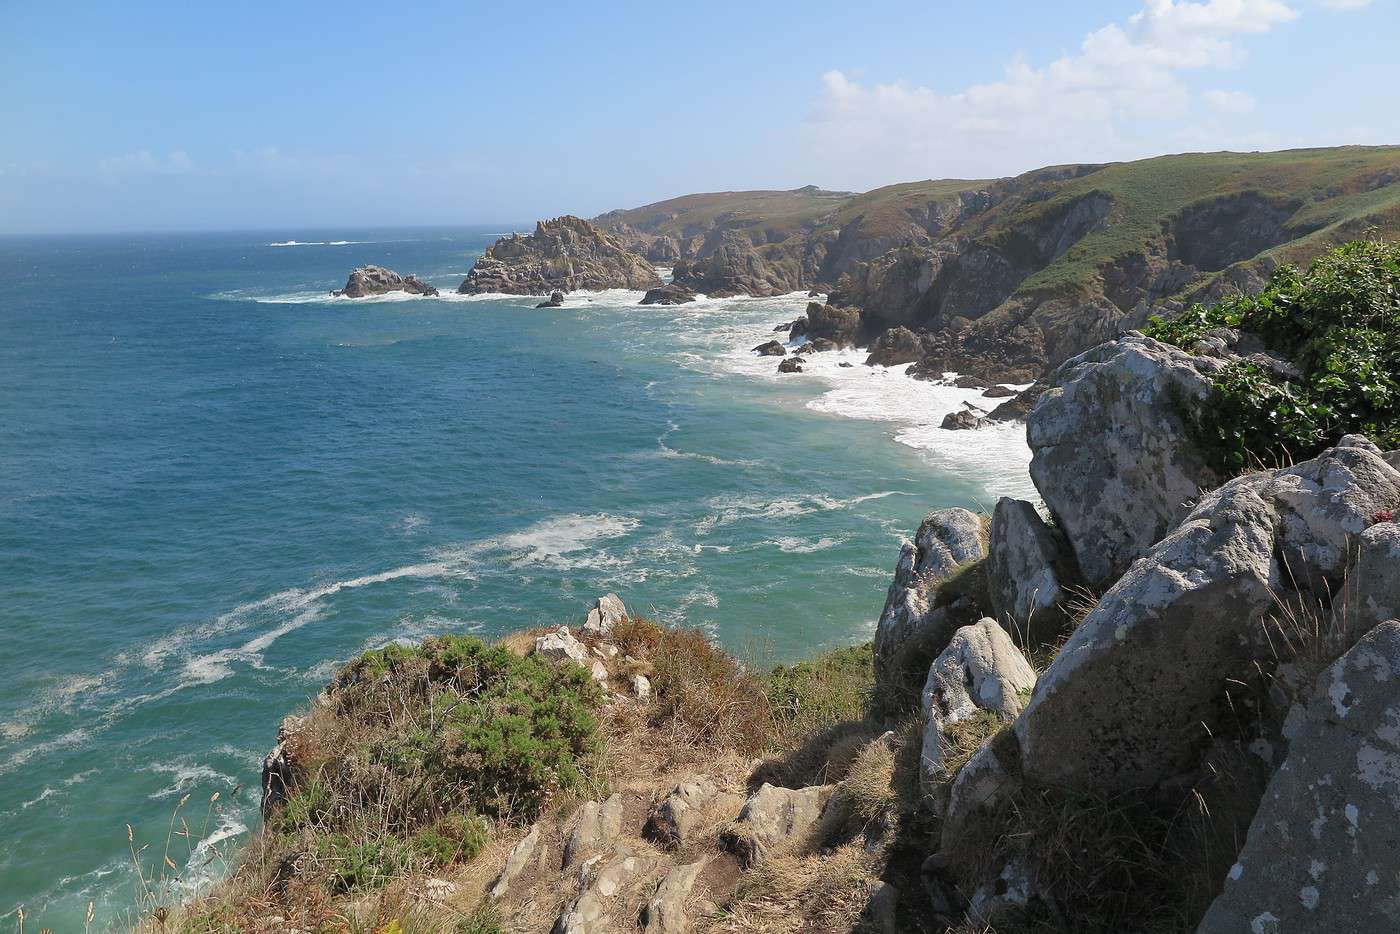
<point x="1117" y="96"/>
<point x="145" y="162"/>
<point x="1346" y="4"/>
<point x="1230" y="102"/>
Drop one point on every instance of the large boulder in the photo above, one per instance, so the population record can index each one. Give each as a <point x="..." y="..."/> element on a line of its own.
<point x="1111" y="456"/>
<point x="913" y="626"/>
<point x="1028" y="568"/>
<point x="980" y="670"/>
<point x="606" y="612"/>
<point x="1136" y="693"/>
<point x="564" y="254"/>
<point x="1323" y="851"/>
<point x="376" y="280"/>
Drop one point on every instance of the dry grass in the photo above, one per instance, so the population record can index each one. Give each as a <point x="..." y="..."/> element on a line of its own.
<point x="791" y="893"/>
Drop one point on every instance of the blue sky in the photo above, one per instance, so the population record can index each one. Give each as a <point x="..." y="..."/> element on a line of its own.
<point x="149" y="116"/>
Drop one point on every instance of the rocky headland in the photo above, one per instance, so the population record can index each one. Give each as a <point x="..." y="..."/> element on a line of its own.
<point x="566" y="254"/>
<point x="376" y="280"/>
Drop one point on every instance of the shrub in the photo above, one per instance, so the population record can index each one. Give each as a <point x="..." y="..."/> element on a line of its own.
<point x="1338" y="323"/>
<point x="829" y="689"/>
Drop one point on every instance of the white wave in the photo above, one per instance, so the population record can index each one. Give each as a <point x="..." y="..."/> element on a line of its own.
<point x="802" y="546"/>
<point x="319" y="242"/>
<point x="730" y="510"/>
<point x="188" y="777"/>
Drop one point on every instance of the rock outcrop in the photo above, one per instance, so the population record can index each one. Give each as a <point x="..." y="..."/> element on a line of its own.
<point x="775" y="817"/>
<point x="735" y="267"/>
<point x="555" y="300"/>
<point x="376" y="280"/>
<point x="1111" y="456"/>
<point x="1029" y="568"/>
<point x="565" y="254"/>
<point x="1323" y="851"/>
<point x="1191" y="616"/>
<point x="914" y="625"/>
<point x="839" y="325"/>
<point x="771" y="349"/>
<point x="981" y="669"/>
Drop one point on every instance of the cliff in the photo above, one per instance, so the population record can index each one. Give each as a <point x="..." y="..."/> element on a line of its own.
<point x="565" y="254"/>
<point x="1011" y="277"/>
<point x="1167" y="702"/>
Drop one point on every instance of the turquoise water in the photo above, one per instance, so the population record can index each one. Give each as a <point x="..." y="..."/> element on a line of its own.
<point x="216" y="483"/>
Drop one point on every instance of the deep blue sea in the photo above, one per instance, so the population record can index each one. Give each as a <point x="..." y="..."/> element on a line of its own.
<point x="217" y="482"/>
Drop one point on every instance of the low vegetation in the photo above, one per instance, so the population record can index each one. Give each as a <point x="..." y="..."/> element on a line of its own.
<point x="1337" y="324"/>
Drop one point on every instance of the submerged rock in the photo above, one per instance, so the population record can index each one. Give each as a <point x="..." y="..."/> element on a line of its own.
<point x="791" y="365"/>
<point x="376" y="280"/>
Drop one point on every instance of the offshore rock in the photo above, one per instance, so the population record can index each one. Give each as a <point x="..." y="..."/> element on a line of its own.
<point x="555" y="300"/>
<point x="771" y="349"/>
<point x="669" y="294"/>
<point x="565" y="254"/>
<point x="376" y="280"/>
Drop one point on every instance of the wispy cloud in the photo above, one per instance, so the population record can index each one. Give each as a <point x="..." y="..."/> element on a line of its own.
<point x="1125" y="81"/>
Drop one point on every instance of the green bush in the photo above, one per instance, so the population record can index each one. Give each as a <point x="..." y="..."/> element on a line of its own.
<point x="832" y="688"/>
<point x="1338" y="323"/>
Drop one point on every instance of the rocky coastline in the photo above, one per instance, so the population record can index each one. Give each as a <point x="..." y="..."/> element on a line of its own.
<point x="565" y="254"/>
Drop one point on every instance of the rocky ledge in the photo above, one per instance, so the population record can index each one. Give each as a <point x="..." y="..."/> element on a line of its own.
<point x="376" y="280"/>
<point x="564" y="254"/>
<point x="669" y="294"/>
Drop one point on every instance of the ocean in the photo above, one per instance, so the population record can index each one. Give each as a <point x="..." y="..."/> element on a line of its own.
<point x="217" y="483"/>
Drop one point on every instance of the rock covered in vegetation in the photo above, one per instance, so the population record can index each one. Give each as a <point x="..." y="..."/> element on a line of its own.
<point x="1112" y="457"/>
<point x="564" y="254"/>
<point x="376" y="280"/>
<point x="1323" y="851"/>
<point x="672" y="293"/>
<point x="980" y="670"/>
<point x="1028" y="568"/>
<point x="913" y="624"/>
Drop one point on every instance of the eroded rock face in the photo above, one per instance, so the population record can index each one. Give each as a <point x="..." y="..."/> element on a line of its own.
<point x="597" y="826"/>
<point x="604" y="879"/>
<point x="1323" y="852"/>
<point x="565" y="254"/>
<point x="981" y="669"/>
<point x="735" y="267"/>
<point x="517" y="861"/>
<point x="376" y="280"/>
<point x="1111" y="457"/>
<point x="278" y="771"/>
<point x="1027" y="569"/>
<point x="911" y="623"/>
<point x="561" y="644"/>
<point x="1135" y="693"/>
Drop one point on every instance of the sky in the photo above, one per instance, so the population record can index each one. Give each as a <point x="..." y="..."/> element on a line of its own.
<point x="306" y="115"/>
